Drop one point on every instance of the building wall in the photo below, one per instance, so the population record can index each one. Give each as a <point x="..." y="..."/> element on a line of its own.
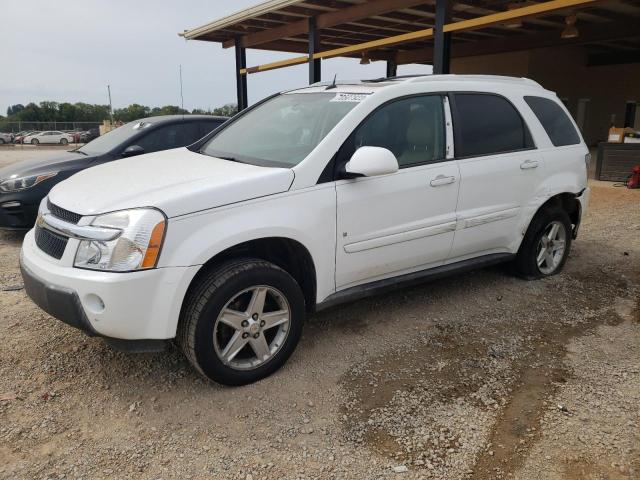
<point x="565" y="71"/>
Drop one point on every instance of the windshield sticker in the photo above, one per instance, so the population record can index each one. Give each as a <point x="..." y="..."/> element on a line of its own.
<point x="349" y="97"/>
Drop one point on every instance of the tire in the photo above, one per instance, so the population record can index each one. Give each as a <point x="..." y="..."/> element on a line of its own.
<point x="527" y="263"/>
<point x="206" y="340"/>
<point x="64" y="141"/>
<point x="1" y="141"/>
<point x="34" y="141"/>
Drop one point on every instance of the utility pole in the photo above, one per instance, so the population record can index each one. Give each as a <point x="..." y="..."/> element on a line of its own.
<point x="110" y="105"/>
<point x="181" y="94"/>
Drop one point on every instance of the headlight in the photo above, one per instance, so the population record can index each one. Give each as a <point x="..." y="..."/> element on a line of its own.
<point x="137" y="248"/>
<point x="20" y="183"/>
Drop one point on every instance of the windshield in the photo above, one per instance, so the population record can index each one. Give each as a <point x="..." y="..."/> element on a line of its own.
<point x="115" y="138"/>
<point x="282" y="131"/>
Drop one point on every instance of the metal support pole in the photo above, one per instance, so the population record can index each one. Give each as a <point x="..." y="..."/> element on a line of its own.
<point x="441" y="40"/>
<point x="392" y="68"/>
<point x="241" y="80"/>
<point x="314" y="46"/>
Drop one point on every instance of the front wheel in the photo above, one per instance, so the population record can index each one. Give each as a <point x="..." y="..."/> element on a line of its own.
<point x="34" y="141"/>
<point x="241" y="321"/>
<point x="64" y="141"/>
<point x="546" y="245"/>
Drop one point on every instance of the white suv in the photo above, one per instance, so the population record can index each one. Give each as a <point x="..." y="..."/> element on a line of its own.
<point x="310" y="198"/>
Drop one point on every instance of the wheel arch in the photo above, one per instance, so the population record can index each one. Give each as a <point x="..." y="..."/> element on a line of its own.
<point x="567" y="201"/>
<point x="287" y="253"/>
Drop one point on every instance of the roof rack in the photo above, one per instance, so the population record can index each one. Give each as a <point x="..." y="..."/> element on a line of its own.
<point x="396" y="78"/>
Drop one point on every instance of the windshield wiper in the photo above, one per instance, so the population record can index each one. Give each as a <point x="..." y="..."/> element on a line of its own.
<point x="77" y="150"/>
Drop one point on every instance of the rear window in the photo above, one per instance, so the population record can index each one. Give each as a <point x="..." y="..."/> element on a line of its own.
<point x="554" y="120"/>
<point x="486" y="124"/>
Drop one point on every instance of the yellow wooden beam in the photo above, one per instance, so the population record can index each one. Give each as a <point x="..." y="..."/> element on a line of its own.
<point x="471" y="24"/>
<point x="522" y="12"/>
<point x="273" y="65"/>
<point x="383" y="42"/>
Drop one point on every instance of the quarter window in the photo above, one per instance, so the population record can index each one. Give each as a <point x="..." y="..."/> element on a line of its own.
<point x="554" y="120"/>
<point x="412" y="128"/>
<point x="487" y="124"/>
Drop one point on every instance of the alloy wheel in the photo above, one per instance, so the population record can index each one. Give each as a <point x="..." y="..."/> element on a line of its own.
<point x="252" y="327"/>
<point x="551" y="247"/>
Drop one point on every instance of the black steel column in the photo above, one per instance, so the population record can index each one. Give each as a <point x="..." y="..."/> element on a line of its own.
<point x="241" y="80"/>
<point x="392" y="68"/>
<point x="441" y="40"/>
<point x="314" y="46"/>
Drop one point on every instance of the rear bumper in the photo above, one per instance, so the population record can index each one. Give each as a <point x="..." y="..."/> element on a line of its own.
<point x="583" y="199"/>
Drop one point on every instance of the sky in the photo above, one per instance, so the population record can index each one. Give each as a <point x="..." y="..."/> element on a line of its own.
<point x="69" y="51"/>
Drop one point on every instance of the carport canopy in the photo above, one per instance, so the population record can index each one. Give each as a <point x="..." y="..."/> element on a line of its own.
<point x="418" y="31"/>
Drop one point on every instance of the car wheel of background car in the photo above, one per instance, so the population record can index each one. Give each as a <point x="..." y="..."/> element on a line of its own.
<point x="546" y="245"/>
<point x="241" y="321"/>
<point x="64" y="141"/>
<point x="34" y="141"/>
<point x="1" y="141"/>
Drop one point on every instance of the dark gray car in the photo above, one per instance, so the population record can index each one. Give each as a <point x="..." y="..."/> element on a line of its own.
<point x="23" y="185"/>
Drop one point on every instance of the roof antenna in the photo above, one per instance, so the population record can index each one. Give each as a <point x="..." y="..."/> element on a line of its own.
<point x="333" y="85"/>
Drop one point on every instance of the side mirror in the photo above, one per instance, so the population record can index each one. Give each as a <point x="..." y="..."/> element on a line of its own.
<point x="132" y="151"/>
<point x="371" y="162"/>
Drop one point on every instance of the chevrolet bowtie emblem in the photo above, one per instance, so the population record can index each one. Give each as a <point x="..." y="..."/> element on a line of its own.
<point x="40" y="221"/>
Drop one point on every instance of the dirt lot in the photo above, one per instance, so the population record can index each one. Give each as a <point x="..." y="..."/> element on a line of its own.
<point x="479" y="376"/>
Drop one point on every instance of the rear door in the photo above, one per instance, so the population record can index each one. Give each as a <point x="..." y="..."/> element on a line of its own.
<point x="394" y="224"/>
<point x="500" y="172"/>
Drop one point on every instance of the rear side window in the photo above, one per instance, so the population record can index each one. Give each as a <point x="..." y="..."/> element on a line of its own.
<point x="554" y="121"/>
<point x="486" y="124"/>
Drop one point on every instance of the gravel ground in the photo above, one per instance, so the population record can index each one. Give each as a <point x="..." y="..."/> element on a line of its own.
<point x="478" y="376"/>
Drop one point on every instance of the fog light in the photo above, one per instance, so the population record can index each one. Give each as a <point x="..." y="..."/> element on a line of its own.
<point x="94" y="303"/>
<point x="11" y="205"/>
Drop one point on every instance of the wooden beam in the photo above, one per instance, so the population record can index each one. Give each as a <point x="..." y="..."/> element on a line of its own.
<point x="471" y="24"/>
<point x="274" y="65"/>
<point x="371" y="8"/>
<point x="517" y="13"/>
<point x="589" y="34"/>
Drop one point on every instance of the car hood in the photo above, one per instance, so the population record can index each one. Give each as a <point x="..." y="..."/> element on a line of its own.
<point x="176" y="181"/>
<point x="68" y="161"/>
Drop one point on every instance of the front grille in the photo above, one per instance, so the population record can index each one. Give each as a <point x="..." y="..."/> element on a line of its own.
<point x="63" y="214"/>
<point x="50" y="243"/>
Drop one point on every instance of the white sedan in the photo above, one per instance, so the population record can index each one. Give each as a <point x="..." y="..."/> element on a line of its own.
<point x="52" y="136"/>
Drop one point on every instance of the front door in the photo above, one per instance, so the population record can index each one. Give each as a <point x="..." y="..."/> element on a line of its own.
<point x="403" y="222"/>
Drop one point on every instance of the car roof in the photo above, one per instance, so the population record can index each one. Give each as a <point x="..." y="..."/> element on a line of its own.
<point x="472" y="81"/>
<point x="158" y="119"/>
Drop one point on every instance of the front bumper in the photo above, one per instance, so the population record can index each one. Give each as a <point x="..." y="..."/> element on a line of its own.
<point x="16" y="215"/>
<point x="141" y="305"/>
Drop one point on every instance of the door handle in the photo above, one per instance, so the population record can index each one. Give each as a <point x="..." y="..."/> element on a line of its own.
<point x="527" y="164"/>
<point x="442" y="180"/>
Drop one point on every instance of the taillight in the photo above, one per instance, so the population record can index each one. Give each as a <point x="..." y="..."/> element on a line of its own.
<point x="587" y="160"/>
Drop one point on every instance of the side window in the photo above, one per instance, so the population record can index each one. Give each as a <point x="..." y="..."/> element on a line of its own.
<point x="169" y="136"/>
<point x="554" y="120"/>
<point x="207" y="127"/>
<point x="190" y="133"/>
<point x="412" y="128"/>
<point x="486" y="124"/>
